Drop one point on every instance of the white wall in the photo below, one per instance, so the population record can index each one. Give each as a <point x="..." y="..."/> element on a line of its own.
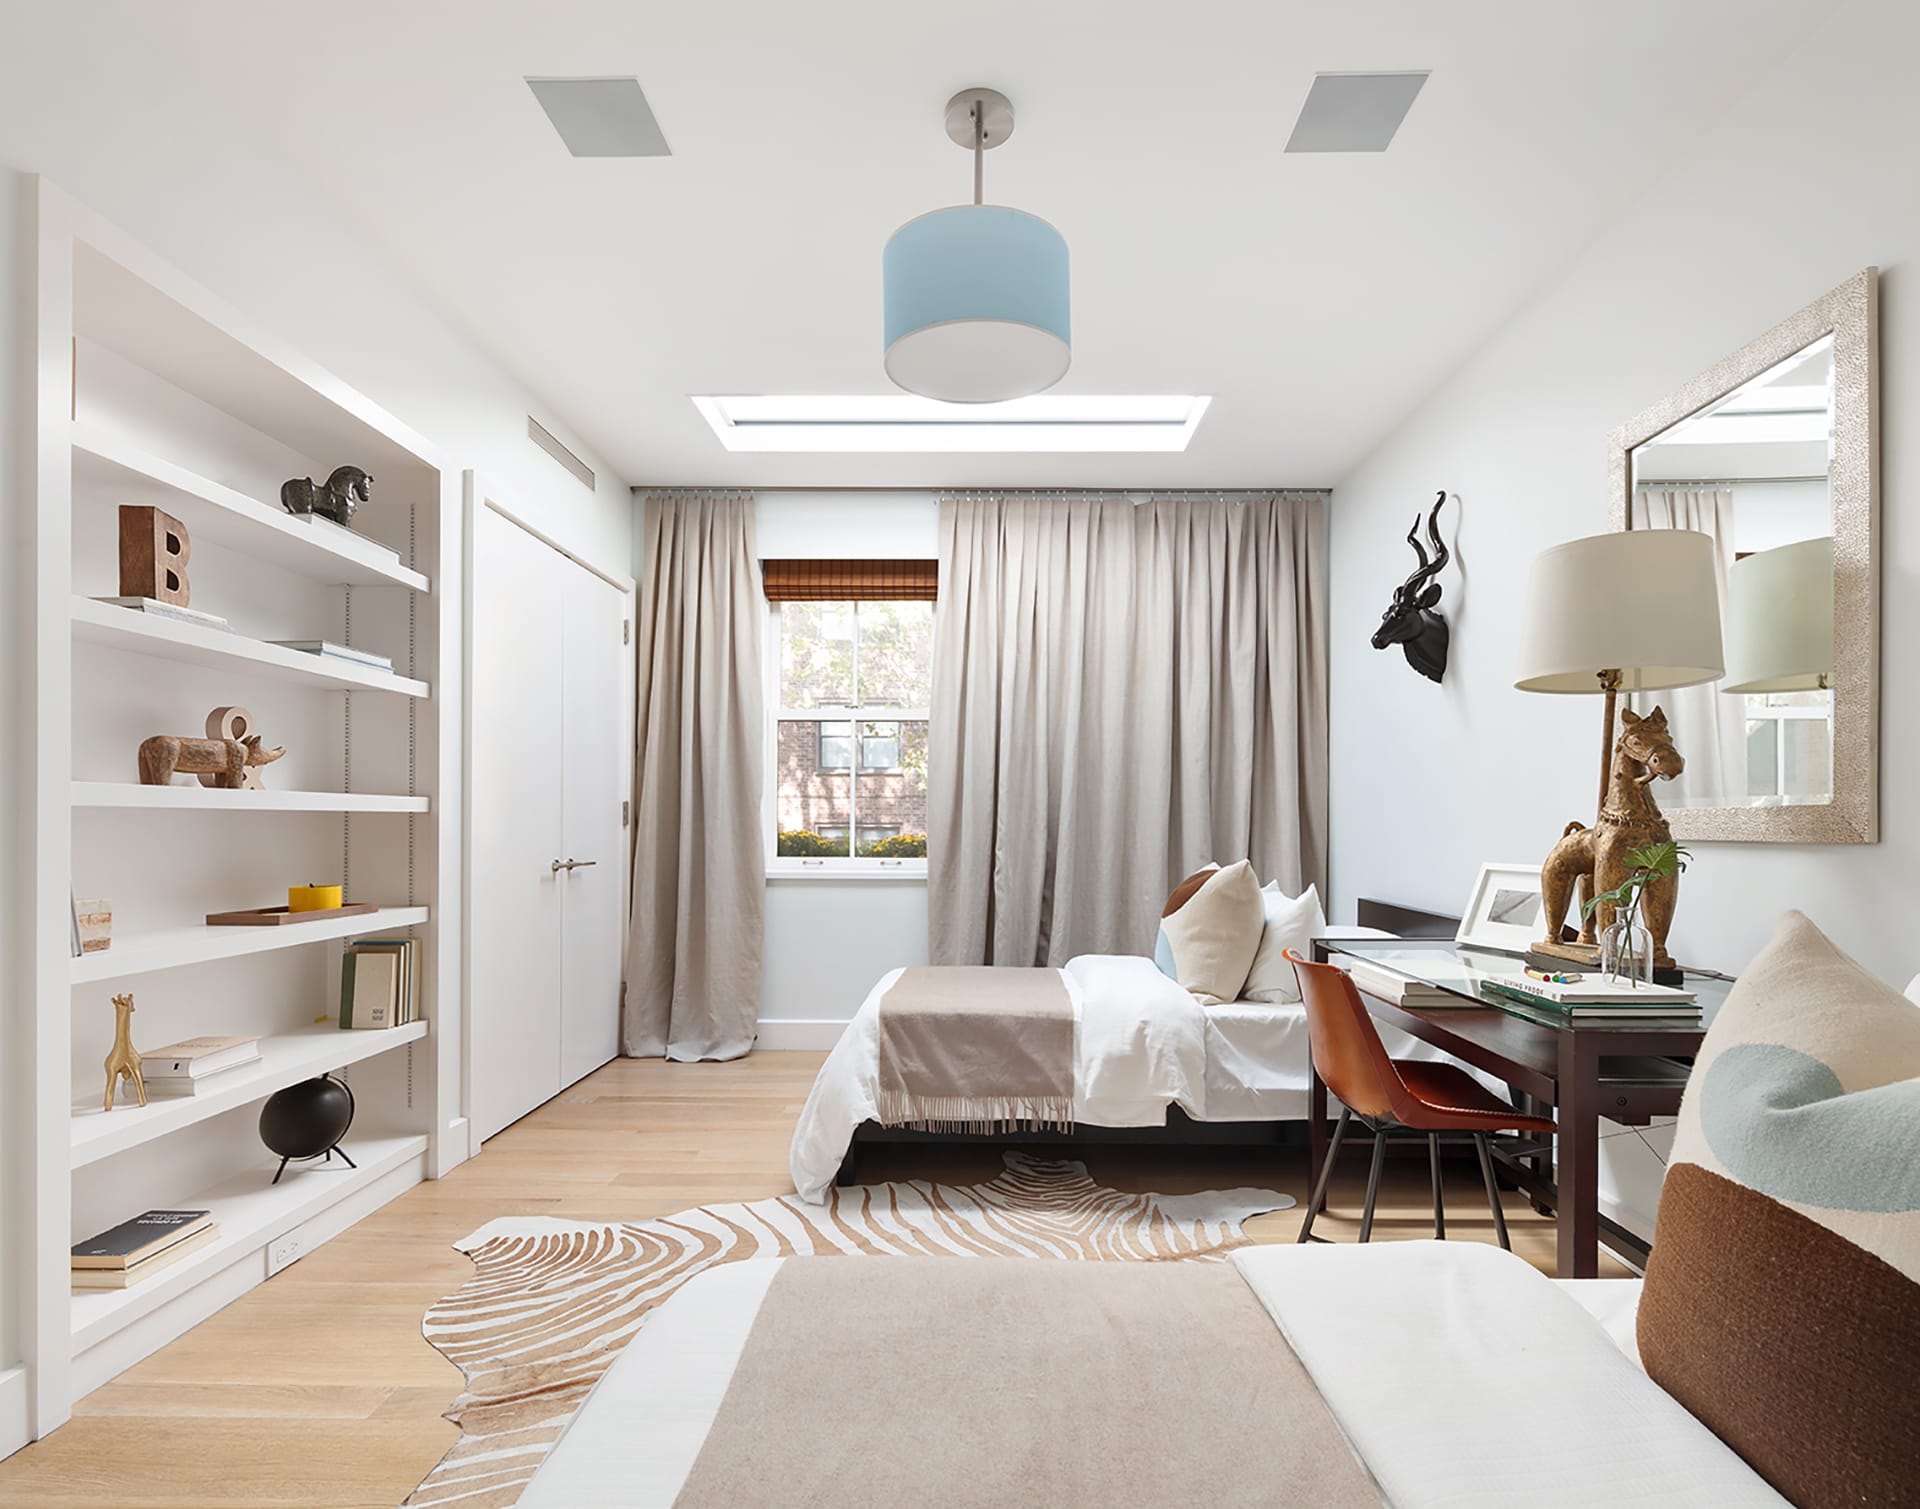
<point x="828" y="940"/>
<point x="1429" y="781"/>
<point x="83" y="102"/>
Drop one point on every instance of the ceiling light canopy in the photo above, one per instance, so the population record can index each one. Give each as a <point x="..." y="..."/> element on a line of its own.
<point x="897" y="423"/>
<point x="976" y="297"/>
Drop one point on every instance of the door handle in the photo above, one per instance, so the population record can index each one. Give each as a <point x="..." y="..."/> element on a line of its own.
<point x="573" y="864"/>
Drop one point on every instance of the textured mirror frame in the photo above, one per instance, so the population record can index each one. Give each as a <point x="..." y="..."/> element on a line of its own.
<point x="1851" y="314"/>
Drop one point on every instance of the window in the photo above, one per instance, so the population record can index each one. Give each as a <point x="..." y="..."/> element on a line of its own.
<point x="847" y="767"/>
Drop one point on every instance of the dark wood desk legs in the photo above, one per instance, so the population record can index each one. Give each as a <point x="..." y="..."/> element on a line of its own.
<point x="1577" y="1157"/>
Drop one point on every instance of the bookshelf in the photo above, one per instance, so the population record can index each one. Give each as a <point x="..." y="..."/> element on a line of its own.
<point x="152" y="391"/>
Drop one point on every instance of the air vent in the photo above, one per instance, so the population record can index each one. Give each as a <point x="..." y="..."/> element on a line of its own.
<point x="543" y="437"/>
<point x="1354" y="112"/>
<point x="601" y="117"/>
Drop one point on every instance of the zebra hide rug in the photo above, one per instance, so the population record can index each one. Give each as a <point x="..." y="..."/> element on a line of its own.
<point x="551" y="1302"/>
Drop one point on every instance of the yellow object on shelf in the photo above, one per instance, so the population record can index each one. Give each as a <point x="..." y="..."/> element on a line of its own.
<point x="315" y="898"/>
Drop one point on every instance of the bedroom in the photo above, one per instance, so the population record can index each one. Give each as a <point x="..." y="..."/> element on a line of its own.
<point x="716" y="643"/>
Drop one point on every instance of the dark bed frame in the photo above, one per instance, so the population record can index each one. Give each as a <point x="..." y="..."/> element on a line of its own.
<point x="1180" y="1130"/>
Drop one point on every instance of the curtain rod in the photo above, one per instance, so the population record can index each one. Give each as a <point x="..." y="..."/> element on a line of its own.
<point x="1725" y="481"/>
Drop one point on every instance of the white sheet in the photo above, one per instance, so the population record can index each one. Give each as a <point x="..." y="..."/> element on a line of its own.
<point x="1141" y="1044"/>
<point x="1138" y="1048"/>
<point x="1400" y="1337"/>
<point x="1464" y="1376"/>
<point x="637" y="1433"/>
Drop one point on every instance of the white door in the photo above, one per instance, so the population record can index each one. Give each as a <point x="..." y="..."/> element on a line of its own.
<point x="595" y="763"/>
<point x="514" y="895"/>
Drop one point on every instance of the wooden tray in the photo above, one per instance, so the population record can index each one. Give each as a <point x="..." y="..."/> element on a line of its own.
<point x="279" y="916"/>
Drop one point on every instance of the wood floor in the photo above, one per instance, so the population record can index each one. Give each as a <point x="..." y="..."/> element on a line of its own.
<point x="316" y="1388"/>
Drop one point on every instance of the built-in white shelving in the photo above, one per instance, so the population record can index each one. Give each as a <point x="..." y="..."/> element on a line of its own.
<point x="151" y="390"/>
<point x="251" y="1211"/>
<point x="285" y="1059"/>
<point x="111" y="466"/>
<point x="194" y="644"/>
<point x="198" y="798"/>
<point x="174" y="947"/>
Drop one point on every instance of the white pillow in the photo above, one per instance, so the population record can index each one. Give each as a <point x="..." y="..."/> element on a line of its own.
<point x="1210" y="932"/>
<point x="1292" y="922"/>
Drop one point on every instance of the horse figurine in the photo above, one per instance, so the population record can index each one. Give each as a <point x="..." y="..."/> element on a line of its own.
<point x="1594" y="860"/>
<point x="123" y="1061"/>
<point x="346" y="489"/>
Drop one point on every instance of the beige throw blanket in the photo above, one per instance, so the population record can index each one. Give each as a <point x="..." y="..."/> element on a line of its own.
<point x="967" y="1048"/>
<point x="1007" y="1381"/>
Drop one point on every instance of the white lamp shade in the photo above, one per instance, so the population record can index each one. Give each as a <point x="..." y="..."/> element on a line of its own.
<point x="1780" y="619"/>
<point x="1643" y="602"/>
<point x="975" y="305"/>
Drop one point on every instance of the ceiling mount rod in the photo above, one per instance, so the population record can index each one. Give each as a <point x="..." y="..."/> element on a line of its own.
<point x="979" y="153"/>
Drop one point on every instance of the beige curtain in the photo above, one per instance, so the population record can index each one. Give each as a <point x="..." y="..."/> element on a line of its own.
<point x="693" y="949"/>
<point x="1709" y="727"/>
<point x="1121" y="693"/>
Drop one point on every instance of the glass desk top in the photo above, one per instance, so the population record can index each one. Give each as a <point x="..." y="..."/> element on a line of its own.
<point x="1465" y="971"/>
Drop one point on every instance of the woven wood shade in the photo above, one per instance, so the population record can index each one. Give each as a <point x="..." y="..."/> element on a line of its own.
<point x="818" y="581"/>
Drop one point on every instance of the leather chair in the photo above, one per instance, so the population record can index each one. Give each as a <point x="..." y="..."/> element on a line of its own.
<point x="1392" y="1093"/>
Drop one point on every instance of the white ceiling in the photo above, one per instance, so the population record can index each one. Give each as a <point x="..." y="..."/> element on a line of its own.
<point x="1318" y="298"/>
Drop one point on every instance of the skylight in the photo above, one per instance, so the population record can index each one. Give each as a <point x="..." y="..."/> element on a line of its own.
<point x="902" y="422"/>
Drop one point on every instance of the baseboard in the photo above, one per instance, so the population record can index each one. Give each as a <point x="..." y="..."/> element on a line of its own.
<point x="779" y="1036"/>
<point x="14" y="1431"/>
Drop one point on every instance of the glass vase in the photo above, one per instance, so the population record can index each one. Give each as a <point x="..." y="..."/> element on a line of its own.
<point x="1626" y="953"/>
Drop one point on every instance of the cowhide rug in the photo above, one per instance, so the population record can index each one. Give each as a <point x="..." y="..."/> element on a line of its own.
<point x="551" y="1303"/>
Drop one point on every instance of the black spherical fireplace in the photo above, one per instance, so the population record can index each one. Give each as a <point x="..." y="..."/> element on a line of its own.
<point x="307" y="1120"/>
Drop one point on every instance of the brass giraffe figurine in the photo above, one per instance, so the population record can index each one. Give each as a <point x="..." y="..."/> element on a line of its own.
<point x="122" y="1059"/>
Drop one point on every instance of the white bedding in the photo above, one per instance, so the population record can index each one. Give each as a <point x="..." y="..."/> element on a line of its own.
<point x="1141" y="1044"/>
<point x="1460" y="1375"/>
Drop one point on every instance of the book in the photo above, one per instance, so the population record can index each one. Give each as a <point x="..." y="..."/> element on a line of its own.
<point x="147" y="1233"/>
<point x="1606" y="1011"/>
<point x="198" y="1057"/>
<point x="1401" y="991"/>
<point x="326" y="649"/>
<point x="407" y="951"/>
<point x="126" y="1278"/>
<point x="154" y="608"/>
<point x="369" y="989"/>
<point x="1595" y="990"/>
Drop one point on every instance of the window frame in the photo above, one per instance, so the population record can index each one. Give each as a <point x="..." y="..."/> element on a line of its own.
<point x="853" y="867"/>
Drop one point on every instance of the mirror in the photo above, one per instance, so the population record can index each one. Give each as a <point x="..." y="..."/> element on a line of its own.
<point x="1772" y="454"/>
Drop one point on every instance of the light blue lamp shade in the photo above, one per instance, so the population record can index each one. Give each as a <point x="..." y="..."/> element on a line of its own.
<point x="976" y="305"/>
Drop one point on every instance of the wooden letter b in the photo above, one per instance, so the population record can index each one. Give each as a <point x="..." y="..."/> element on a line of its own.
<point x="153" y="555"/>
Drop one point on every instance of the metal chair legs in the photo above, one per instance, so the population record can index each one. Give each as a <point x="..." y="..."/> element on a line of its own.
<point x="1319" y="1199"/>
<point x="1373" y="1182"/>
<point x="1493" y="1189"/>
<point x="1439" y="1202"/>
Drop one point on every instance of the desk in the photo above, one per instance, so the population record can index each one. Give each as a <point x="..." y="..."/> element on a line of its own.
<point x="1624" y="1070"/>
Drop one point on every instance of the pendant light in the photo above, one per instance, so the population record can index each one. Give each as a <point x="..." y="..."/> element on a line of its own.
<point x="975" y="301"/>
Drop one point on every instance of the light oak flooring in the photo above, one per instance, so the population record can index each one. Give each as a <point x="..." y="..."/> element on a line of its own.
<point x="316" y="1388"/>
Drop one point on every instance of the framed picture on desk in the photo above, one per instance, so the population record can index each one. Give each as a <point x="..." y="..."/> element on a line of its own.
<point x="1505" y="911"/>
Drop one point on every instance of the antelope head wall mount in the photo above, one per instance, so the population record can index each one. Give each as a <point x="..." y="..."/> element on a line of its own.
<point x="1410" y="621"/>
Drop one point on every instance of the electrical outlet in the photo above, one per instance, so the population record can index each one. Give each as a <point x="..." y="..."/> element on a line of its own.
<point x="285" y="1251"/>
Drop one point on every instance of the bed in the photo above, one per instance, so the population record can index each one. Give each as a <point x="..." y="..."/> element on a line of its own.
<point x="1779" y="1367"/>
<point x="1395" y="1374"/>
<point x="1146" y="1055"/>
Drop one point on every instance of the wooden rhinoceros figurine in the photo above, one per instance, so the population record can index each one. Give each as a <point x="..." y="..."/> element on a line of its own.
<point x="228" y="761"/>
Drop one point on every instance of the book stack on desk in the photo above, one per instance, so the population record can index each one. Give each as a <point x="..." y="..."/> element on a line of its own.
<point x="1398" y="990"/>
<point x="1595" y="998"/>
<point x="134" y="1250"/>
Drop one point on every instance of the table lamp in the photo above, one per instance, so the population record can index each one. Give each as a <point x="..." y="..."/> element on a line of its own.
<point x="1780" y="619"/>
<point x="1636" y="611"/>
